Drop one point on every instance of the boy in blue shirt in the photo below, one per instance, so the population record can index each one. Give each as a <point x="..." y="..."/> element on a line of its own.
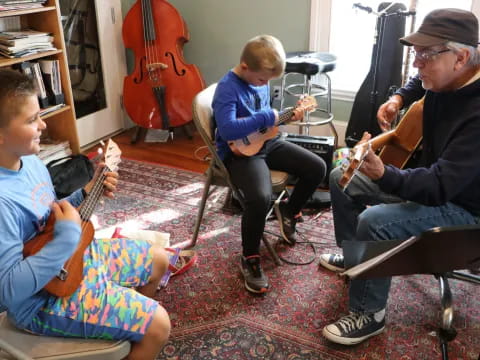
<point x="105" y="306"/>
<point x="241" y="106"/>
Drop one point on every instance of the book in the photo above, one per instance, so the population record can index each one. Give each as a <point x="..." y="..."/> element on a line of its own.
<point x="53" y="150"/>
<point x="49" y="109"/>
<point x="51" y="76"/>
<point x="20" y="6"/>
<point x="41" y="39"/>
<point x="15" y="2"/>
<point x="22" y="34"/>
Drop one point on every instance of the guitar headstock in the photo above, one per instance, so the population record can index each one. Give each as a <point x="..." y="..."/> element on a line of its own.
<point x="112" y="155"/>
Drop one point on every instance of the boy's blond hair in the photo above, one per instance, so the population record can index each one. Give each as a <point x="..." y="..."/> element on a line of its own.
<point x="264" y="53"/>
<point x="14" y="89"/>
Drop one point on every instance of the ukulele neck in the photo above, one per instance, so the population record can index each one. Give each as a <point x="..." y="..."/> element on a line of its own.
<point x="285" y="115"/>
<point x="88" y="205"/>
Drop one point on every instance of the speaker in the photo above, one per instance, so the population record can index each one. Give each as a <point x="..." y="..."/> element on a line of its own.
<point x="323" y="146"/>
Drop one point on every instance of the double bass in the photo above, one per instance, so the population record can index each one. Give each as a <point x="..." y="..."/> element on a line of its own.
<point x="158" y="94"/>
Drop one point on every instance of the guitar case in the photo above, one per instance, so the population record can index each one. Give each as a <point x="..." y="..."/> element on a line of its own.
<point x="385" y="74"/>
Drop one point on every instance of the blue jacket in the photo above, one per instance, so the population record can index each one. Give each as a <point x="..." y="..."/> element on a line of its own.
<point x="239" y="109"/>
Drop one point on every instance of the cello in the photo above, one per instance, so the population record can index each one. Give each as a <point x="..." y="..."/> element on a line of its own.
<point x="158" y="94"/>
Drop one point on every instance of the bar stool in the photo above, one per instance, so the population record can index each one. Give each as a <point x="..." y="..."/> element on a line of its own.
<point x="314" y="67"/>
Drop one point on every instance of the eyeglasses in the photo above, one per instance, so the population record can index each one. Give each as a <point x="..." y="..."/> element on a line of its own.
<point x="426" y="55"/>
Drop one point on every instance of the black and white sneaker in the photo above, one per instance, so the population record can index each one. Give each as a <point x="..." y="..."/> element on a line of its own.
<point x="287" y="223"/>
<point x="255" y="280"/>
<point x="355" y="328"/>
<point x="333" y="262"/>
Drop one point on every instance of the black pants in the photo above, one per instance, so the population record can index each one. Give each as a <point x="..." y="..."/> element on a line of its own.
<point x="251" y="175"/>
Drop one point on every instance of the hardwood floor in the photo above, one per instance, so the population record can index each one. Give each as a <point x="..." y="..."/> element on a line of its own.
<point x="181" y="152"/>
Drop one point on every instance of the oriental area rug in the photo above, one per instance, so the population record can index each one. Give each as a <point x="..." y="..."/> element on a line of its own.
<point x="214" y="317"/>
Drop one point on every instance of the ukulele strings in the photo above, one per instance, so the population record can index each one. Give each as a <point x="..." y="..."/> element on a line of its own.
<point x="89" y="205"/>
<point x="92" y="198"/>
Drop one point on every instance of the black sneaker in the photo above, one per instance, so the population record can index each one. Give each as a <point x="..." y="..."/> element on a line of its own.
<point x="334" y="262"/>
<point x="287" y="223"/>
<point x="255" y="280"/>
<point x="355" y="328"/>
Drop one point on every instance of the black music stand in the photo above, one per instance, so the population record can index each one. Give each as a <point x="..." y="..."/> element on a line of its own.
<point x="439" y="251"/>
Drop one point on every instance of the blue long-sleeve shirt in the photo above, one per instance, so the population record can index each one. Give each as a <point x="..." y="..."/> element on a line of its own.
<point x="239" y="110"/>
<point x="25" y="199"/>
<point x="450" y="165"/>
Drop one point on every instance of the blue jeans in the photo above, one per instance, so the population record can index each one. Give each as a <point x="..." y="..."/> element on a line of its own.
<point x="386" y="218"/>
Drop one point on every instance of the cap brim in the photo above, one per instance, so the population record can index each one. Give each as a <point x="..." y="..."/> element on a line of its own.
<point x="421" y="39"/>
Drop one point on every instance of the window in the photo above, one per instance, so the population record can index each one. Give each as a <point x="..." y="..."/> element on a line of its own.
<point x="349" y="33"/>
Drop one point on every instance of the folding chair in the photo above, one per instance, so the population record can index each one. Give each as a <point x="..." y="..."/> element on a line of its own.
<point x="20" y="345"/>
<point x="440" y="251"/>
<point x="217" y="173"/>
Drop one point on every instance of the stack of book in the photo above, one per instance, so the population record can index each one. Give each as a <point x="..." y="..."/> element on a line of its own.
<point x="50" y="150"/>
<point x="6" y="5"/>
<point x="15" y="44"/>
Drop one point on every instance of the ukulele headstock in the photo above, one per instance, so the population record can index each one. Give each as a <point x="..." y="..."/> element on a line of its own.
<point x="306" y="103"/>
<point x="112" y="155"/>
<point x="355" y="160"/>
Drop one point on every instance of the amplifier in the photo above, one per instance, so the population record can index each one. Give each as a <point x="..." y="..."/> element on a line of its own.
<point x="323" y="146"/>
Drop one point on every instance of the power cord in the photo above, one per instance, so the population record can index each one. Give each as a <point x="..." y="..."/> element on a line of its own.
<point x="308" y="243"/>
<point x="207" y="157"/>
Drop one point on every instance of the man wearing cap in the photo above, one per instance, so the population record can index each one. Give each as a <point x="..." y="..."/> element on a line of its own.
<point x="385" y="203"/>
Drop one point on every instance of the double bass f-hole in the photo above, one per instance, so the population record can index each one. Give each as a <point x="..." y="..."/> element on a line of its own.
<point x="183" y="72"/>
<point x="150" y="70"/>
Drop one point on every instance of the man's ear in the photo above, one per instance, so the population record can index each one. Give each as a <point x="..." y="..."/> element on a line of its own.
<point x="463" y="55"/>
<point x="243" y="66"/>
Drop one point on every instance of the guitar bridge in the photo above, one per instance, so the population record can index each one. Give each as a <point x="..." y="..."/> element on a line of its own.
<point x="62" y="275"/>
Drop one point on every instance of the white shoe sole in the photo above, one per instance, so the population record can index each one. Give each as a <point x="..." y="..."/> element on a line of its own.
<point x="330" y="267"/>
<point x="348" y="341"/>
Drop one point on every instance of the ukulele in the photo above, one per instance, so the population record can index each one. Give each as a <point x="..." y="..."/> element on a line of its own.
<point x="398" y="144"/>
<point x="71" y="275"/>
<point x="252" y="143"/>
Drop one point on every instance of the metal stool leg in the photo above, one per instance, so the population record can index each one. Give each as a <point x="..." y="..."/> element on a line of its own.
<point x="446" y="332"/>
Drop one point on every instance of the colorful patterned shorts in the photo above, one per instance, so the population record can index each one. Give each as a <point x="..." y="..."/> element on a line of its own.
<point x="104" y="306"/>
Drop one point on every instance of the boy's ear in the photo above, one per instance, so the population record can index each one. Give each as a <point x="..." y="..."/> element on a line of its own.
<point x="243" y="66"/>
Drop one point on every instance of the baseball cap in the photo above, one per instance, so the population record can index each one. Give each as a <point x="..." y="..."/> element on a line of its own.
<point x="443" y="25"/>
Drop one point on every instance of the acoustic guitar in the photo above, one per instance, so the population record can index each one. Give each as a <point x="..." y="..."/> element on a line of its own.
<point x="71" y="275"/>
<point x="252" y="143"/>
<point x="398" y="144"/>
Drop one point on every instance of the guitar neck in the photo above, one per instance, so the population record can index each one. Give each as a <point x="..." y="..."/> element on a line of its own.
<point x="91" y="201"/>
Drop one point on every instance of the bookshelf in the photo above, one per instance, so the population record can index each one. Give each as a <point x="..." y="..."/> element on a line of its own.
<point x="61" y="124"/>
